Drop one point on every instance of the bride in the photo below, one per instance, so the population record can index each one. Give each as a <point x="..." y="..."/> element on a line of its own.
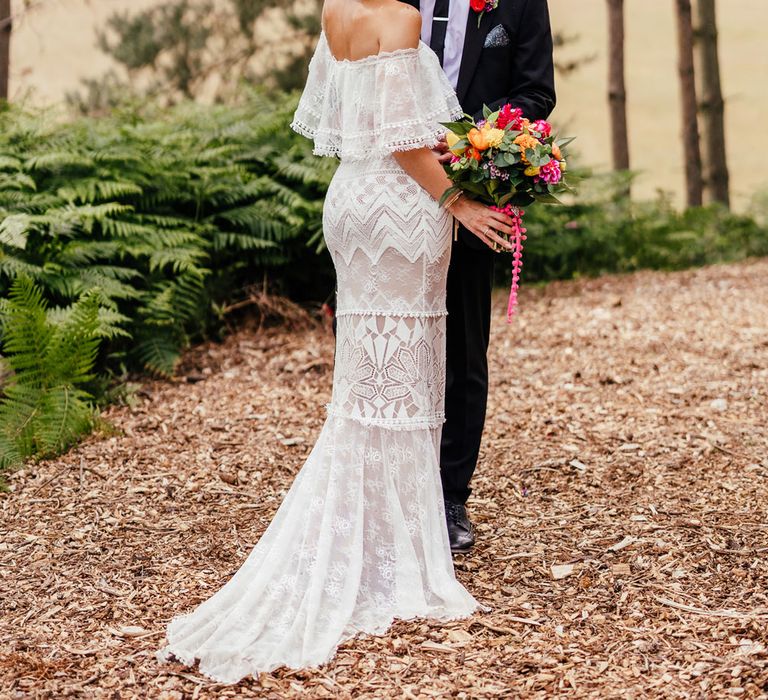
<point x="360" y="538"/>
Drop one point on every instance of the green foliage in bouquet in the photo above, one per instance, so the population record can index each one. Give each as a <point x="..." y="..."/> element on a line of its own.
<point x="50" y="354"/>
<point x="506" y="159"/>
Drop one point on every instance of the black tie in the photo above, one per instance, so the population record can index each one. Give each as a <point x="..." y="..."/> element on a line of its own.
<point x="439" y="27"/>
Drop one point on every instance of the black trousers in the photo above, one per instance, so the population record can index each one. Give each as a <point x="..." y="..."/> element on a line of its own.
<point x="468" y="325"/>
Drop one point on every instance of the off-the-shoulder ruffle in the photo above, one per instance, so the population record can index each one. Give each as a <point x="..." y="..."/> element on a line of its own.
<point x="370" y="107"/>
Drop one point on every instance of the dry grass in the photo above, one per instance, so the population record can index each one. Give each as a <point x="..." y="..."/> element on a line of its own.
<point x="620" y="500"/>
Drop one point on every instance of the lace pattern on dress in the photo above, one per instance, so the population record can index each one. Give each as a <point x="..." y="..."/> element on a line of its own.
<point x="365" y="109"/>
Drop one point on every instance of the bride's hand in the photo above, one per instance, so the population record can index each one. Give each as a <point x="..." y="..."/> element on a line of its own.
<point x="441" y="151"/>
<point x="484" y="222"/>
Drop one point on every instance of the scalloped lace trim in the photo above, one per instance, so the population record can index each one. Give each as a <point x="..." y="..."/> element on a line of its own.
<point x="404" y="313"/>
<point x="429" y="422"/>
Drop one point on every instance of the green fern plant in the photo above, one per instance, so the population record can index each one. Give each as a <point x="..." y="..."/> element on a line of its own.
<point x="169" y="212"/>
<point x="44" y="407"/>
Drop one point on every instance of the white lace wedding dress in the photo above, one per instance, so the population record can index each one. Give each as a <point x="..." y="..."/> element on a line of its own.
<point x="360" y="538"/>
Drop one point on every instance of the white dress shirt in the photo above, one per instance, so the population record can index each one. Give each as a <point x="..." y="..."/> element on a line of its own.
<point x="458" y="13"/>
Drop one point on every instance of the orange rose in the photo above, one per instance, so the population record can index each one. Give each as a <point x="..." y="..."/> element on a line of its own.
<point x="556" y="152"/>
<point x="479" y="139"/>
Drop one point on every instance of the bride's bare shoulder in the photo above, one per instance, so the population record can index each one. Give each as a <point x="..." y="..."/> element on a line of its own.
<point x="401" y="27"/>
<point x="355" y="29"/>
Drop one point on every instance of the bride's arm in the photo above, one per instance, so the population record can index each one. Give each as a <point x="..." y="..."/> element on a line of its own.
<point x="401" y="32"/>
<point x="422" y="165"/>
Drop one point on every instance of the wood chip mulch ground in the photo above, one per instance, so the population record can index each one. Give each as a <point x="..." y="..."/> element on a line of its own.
<point x="620" y="502"/>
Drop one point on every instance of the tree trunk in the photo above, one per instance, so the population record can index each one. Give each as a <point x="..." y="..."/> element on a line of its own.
<point x="617" y="95"/>
<point x="5" y="46"/>
<point x="691" y="150"/>
<point x="711" y="105"/>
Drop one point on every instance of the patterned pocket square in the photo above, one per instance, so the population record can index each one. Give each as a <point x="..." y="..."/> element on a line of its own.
<point x="496" y="37"/>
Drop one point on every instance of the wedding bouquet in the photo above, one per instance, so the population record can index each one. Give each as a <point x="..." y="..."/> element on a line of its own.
<point x="507" y="162"/>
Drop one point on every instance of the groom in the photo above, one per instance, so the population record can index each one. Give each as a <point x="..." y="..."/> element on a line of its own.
<point x="507" y="58"/>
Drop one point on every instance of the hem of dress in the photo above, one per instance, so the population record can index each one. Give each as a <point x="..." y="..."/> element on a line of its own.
<point x="188" y="658"/>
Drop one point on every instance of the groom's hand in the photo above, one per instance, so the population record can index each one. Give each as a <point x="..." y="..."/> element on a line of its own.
<point x="441" y="151"/>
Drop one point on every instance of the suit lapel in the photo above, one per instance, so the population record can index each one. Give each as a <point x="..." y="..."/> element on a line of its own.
<point x="473" y="47"/>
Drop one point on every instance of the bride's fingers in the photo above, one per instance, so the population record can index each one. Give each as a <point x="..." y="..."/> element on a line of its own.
<point x="500" y="240"/>
<point x="498" y="226"/>
<point x="492" y="239"/>
<point x="500" y="221"/>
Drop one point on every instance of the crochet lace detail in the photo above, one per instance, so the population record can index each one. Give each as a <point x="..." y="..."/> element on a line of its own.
<point x="366" y="108"/>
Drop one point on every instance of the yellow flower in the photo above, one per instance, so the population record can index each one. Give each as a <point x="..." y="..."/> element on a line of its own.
<point x="494" y="136"/>
<point x="532" y="170"/>
<point x="563" y="166"/>
<point x="452" y="139"/>
<point x="526" y="141"/>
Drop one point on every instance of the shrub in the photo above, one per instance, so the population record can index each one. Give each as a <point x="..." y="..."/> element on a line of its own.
<point x="602" y="232"/>
<point x="169" y="213"/>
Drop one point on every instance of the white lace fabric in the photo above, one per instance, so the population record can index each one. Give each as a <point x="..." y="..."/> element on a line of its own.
<point x="368" y="108"/>
<point x="360" y="539"/>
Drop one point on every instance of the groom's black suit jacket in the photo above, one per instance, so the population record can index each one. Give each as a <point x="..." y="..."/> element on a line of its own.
<point x="508" y="58"/>
<point x="517" y="67"/>
<point x="519" y="71"/>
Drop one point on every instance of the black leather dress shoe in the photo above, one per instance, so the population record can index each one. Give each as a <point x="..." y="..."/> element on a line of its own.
<point x="461" y="533"/>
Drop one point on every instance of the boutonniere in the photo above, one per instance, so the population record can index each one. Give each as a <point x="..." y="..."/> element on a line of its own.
<point x="483" y="6"/>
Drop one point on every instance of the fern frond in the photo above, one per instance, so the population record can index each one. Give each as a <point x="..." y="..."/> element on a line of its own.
<point x="228" y="240"/>
<point x="158" y="352"/>
<point x="93" y="189"/>
<point x="9" y="162"/>
<point x="57" y="161"/>
<point x="14" y="230"/>
<point x="65" y="414"/>
<point x="179" y="259"/>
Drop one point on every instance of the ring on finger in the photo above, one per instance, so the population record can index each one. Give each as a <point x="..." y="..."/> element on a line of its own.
<point x="495" y="247"/>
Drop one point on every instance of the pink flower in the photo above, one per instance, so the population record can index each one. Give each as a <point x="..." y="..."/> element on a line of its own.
<point x="543" y="127"/>
<point x="550" y="173"/>
<point x="508" y="115"/>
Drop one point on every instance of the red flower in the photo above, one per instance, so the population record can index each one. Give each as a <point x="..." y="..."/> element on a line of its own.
<point x="477" y="5"/>
<point x="508" y="115"/>
<point x="474" y="153"/>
